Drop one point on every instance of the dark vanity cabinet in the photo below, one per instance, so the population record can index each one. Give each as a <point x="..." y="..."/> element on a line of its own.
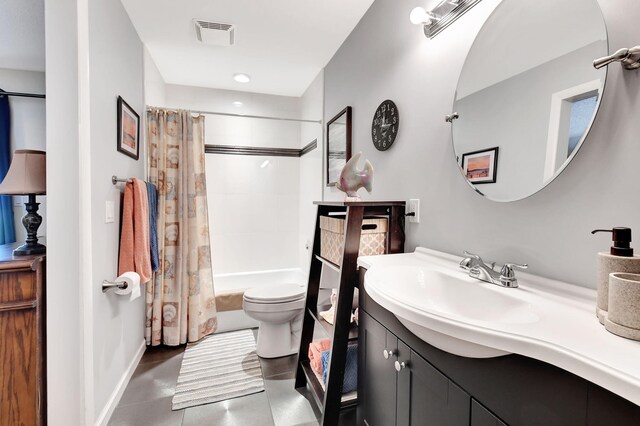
<point x="413" y="394"/>
<point x="425" y="393"/>
<point x="377" y="374"/>
<point x="480" y="416"/>
<point x="404" y="381"/>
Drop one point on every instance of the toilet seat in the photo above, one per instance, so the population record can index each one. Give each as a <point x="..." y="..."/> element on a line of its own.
<point x="281" y="293"/>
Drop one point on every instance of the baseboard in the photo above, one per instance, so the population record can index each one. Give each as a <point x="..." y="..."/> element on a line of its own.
<point x="114" y="399"/>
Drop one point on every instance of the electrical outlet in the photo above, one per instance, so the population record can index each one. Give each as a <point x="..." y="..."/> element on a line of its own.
<point x="414" y="207"/>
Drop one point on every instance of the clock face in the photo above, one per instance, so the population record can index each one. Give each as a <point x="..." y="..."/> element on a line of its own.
<point x="386" y="122"/>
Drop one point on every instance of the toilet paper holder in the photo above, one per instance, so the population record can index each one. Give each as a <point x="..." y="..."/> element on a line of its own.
<point x="110" y="285"/>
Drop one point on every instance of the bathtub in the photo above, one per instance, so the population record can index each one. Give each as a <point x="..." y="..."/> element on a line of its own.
<point x="229" y="289"/>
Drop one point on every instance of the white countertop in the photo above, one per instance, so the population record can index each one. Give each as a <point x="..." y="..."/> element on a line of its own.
<point x="567" y="334"/>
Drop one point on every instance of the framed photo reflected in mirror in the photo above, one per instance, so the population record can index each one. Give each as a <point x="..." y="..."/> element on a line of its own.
<point x="481" y="166"/>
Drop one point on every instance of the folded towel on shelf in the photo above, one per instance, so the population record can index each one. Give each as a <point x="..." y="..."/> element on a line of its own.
<point x="315" y="351"/>
<point x="350" y="381"/>
<point x="152" y="194"/>
<point x="135" y="251"/>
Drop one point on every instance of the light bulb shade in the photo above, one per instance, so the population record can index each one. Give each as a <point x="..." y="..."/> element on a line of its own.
<point x="419" y="16"/>
<point x="27" y="174"/>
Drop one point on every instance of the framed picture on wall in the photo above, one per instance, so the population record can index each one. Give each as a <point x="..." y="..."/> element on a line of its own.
<point x="481" y="166"/>
<point x="128" y="130"/>
<point x="338" y="144"/>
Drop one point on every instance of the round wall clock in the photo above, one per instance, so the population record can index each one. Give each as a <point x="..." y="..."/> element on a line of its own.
<point x="386" y="122"/>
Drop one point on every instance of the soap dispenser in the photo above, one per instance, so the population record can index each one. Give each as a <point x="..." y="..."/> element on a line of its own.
<point x="620" y="258"/>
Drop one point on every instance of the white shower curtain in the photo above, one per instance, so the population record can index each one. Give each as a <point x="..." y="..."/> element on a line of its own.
<point x="180" y="301"/>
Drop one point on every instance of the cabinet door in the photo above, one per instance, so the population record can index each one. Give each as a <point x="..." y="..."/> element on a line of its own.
<point x="426" y="396"/>
<point x="378" y="378"/>
<point x="480" y="416"/>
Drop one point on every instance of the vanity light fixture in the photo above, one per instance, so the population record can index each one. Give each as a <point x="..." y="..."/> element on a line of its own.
<point x="420" y="16"/>
<point x="242" y="78"/>
<point x="441" y="16"/>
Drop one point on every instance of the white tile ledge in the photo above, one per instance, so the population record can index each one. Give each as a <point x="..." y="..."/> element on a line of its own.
<point x="568" y="334"/>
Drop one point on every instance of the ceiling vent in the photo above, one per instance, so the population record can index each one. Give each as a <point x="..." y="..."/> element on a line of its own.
<point x="215" y="33"/>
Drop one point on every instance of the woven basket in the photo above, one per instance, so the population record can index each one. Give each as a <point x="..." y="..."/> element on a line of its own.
<point x="373" y="240"/>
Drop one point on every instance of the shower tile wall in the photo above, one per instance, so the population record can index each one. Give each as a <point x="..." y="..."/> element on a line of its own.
<point x="253" y="212"/>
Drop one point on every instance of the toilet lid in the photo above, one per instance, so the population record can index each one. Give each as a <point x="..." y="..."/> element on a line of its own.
<point x="275" y="293"/>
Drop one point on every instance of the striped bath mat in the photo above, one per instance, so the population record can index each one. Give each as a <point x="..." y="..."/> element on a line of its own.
<point x="219" y="367"/>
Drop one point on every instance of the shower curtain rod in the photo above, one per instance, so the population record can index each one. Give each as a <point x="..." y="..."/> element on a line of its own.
<point x="228" y="114"/>
<point x="23" y="95"/>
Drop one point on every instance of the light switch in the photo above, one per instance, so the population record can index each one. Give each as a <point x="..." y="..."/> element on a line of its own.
<point x="109" y="212"/>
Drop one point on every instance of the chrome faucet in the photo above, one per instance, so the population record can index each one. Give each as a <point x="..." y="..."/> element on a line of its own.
<point x="473" y="260"/>
<point x="480" y="270"/>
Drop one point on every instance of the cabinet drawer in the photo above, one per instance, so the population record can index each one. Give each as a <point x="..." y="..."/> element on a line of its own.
<point x="17" y="286"/>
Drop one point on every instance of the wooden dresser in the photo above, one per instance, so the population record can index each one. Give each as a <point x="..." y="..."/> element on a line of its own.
<point x="22" y="339"/>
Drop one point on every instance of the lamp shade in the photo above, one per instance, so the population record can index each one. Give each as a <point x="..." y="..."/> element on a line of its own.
<point x="27" y="173"/>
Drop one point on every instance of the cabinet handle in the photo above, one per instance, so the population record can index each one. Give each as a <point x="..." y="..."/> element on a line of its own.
<point x="388" y="353"/>
<point x="400" y="366"/>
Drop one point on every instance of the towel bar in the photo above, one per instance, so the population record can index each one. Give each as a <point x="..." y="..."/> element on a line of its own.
<point x="115" y="179"/>
<point x="108" y="285"/>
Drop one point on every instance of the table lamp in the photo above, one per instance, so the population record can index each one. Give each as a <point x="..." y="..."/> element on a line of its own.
<point x="27" y="176"/>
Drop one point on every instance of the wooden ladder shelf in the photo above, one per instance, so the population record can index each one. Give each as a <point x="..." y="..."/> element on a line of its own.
<point x="331" y="400"/>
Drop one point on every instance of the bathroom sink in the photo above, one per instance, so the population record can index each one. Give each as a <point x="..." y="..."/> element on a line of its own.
<point x="544" y="319"/>
<point x="450" y="295"/>
<point x="422" y="296"/>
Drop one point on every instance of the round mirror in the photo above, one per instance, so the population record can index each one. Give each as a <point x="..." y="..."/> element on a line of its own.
<point x="528" y="94"/>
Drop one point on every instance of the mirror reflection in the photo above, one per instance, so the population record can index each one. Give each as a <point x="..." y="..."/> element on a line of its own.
<point x="338" y="144"/>
<point x="528" y="94"/>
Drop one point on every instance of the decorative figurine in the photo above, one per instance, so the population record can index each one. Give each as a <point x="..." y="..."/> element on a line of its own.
<point x="352" y="178"/>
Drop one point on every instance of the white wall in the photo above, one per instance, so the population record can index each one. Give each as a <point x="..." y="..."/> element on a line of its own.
<point x="154" y="85"/>
<point x="28" y="129"/>
<point x="387" y="57"/>
<point x="66" y="365"/>
<point x="115" y="68"/>
<point x="311" y="184"/>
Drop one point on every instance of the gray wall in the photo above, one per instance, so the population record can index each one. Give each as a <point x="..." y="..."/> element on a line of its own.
<point x="115" y="69"/>
<point x="388" y="58"/>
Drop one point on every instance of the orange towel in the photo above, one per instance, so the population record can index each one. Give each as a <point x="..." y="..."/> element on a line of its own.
<point x="134" y="240"/>
<point x="315" y="354"/>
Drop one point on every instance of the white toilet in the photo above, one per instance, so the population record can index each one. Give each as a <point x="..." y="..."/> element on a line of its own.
<point x="279" y="309"/>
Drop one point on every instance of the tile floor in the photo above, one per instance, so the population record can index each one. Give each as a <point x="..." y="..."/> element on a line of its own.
<point x="147" y="398"/>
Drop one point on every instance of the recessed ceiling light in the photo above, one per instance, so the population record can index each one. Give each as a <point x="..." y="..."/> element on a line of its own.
<point x="238" y="104"/>
<point x="241" y="78"/>
<point x="265" y="164"/>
